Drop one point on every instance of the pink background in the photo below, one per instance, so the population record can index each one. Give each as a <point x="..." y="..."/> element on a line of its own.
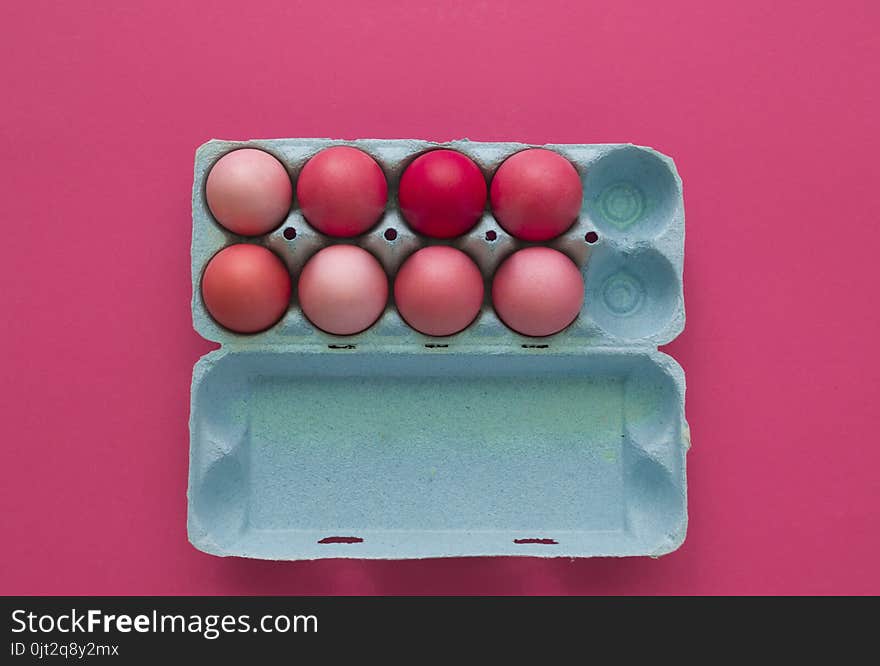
<point x="769" y="109"/>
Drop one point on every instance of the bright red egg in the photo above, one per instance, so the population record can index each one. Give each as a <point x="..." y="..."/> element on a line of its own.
<point x="246" y="288"/>
<point x="536" y="194"/>
<point x="442" y="194"/>
<point x="342" y="191"/>
<point x="538" y="291"/>
<point x="439" y="290"/>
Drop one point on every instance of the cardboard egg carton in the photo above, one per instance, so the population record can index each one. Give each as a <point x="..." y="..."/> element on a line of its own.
<point x="393" y="444"/>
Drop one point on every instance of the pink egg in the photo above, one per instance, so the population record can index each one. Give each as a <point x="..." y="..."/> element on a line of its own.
<point x="343" y="289"/>
<point x="442" y="194"/>
<point x="538" y="291"/>
<point x="439" y="290"/>
<point x="536" y="194"/>
<point x="246" y="288"/>
<point x="342" y="191"/>
<point x="249" y="192"/>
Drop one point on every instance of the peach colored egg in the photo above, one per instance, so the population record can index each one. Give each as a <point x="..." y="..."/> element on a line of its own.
<point x="438" y="290"/>
<point x="246" y="288"/>
<point x="342" y="191"/>
<point x="249" y="192"/>
<point x="442" y="194"/>
<point x="343" y="289"/>
<point x="538" y="291"/>
<point x="536" y="194"/>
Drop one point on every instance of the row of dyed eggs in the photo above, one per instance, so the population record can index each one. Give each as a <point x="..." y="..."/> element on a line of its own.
<point x="535" y="194"/>
<point x="438" y="290"/>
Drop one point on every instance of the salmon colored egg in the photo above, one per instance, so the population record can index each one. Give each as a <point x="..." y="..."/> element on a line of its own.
<point x="439" y="290"/>
<point x="342" y="191"/>
<point x="442" y="194"/>
<point x="343" y="289"/>
<point x="536" y="194"/>
<point x="246" y="288"/>
<point x="538" y="291"/>
<point x="249" y="192"/>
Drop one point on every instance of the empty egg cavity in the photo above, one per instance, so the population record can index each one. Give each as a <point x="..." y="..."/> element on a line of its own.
<point x="630" y="195"/>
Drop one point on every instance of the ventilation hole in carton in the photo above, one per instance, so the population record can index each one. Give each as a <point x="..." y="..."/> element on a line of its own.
<point x="534" y="346"/>
<point x="390" y="234"/>
<point x="434" y="345"/>
<point x="290" y="233"/>
<point x="341" y="539"/>
<point x="491" y="235"/>
<point x="543" y="542"/>
<point x="341" y="346"/>
<point x="591" y="237"/>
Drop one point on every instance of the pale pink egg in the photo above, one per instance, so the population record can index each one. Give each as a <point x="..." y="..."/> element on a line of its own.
<point x="439" y="290"/>
<point x="246" y="288"/>
<point x="343" y="289"/>
<point x="538" y="291"/>
<point x="249" y="192"/>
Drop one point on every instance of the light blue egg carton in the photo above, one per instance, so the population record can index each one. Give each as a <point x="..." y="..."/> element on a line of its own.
<point x="392" y="444"/>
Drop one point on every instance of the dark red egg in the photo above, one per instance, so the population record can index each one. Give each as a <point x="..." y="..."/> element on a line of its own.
<point x="442" y="194"/>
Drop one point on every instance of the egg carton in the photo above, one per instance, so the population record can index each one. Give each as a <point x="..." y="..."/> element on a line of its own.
<point x="394" y="444"/>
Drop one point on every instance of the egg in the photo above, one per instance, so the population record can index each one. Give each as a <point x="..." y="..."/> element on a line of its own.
<point x="246" y="288"/>
<point x="537" y="291"/>
<point x="343" y="289"/>
<point x="438" y="290"/>
<point x="442" y="194"/>
<point x="536" y="194"/>
<point x="249" y="192"/>
<point x="342" y="191"/>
